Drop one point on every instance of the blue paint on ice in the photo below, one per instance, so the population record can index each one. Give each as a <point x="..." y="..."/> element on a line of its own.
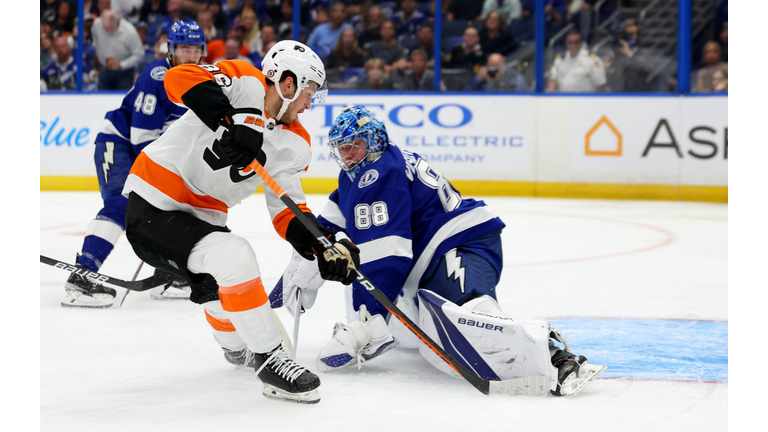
<point x="651" y="349"/>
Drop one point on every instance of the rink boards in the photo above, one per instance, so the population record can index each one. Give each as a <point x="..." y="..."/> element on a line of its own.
<point x="644" y="147"/>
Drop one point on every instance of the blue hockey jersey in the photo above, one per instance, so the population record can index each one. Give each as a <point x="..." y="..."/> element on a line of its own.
<point x="60" y="77"/>
<point x="145" y="112"/>
<point x="403" y="215"/>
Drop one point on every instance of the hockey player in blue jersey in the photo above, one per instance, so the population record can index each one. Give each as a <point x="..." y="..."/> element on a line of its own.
<point x="437" y="255"/>
<point x="143" y="116"/>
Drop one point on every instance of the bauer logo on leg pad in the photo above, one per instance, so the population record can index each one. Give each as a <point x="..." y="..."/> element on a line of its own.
<point x="474" y="323"/>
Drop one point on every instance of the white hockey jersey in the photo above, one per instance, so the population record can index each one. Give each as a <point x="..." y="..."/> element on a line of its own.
<point x="183" y="170"/>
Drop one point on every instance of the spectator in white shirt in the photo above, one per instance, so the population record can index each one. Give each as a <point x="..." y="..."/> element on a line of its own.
<point x="118" y="48"/>
<point x="576" y="70"/>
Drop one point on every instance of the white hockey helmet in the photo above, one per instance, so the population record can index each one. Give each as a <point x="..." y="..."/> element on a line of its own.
<point x="293" y="56"/>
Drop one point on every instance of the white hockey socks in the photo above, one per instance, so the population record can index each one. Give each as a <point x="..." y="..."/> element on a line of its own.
<point x="358" y="340"/>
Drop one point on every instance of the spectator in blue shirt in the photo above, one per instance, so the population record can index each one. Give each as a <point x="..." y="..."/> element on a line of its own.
<point x="61" y="74"/>
<point x="175" y="9"/>
<point x="388" y="49"/>
<point x="408" y="19"/>
<point x="496" y="76"/>
<point x="90" y="75"/>
<point x="324" y="37"/>
<point x="153" y="10"/>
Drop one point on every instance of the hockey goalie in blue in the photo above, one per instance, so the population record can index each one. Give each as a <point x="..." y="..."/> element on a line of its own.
<point x="437" y="255"/>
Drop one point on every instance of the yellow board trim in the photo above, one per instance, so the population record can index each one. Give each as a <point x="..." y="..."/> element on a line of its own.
<point x="488" y="188"/>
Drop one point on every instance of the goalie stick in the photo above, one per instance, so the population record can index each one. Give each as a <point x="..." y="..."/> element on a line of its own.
<point x="139" y="285"/>
<point x="527" y="386"/>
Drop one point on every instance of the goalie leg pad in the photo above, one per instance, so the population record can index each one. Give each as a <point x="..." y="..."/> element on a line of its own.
<point x="491" y="345"/>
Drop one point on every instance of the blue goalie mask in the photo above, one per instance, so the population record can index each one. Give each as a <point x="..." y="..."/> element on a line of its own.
<point x="357" y="139"/>
<point x="185" y="33"/>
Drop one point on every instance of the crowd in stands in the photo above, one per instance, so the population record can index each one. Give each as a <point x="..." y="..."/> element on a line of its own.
<point x="487" y="45"/>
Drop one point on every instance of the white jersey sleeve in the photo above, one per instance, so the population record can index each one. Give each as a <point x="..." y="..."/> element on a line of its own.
<point x="183" y="169"/>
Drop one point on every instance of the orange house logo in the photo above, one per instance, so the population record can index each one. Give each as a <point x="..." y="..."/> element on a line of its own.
<point x="588" y="139"/>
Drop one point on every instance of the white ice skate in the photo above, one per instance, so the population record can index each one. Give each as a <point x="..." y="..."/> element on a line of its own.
<point x="81" y="292"/>
<point x="178" y="290"/>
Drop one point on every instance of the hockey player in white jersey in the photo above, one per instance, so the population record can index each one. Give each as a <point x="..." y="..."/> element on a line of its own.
<point x="434" y="253"/>
<point x="181" y="186"/>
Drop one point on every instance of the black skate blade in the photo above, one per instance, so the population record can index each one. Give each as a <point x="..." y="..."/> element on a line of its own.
<point x="272" y="392"/>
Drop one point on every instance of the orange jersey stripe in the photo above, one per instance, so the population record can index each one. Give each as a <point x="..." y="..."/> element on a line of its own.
<point x="299" y="130"/>
<point x="171" y="184"/>
<point x="178" y="80"/>
<point x="242" y="297"/>
<point x="219" y="324"/>
<point x="285" y="217"/>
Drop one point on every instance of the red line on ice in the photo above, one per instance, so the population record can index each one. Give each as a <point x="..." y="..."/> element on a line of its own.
<point x="668" y="238"/>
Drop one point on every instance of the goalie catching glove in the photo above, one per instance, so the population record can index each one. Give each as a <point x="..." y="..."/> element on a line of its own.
<point x="242" y="141"/>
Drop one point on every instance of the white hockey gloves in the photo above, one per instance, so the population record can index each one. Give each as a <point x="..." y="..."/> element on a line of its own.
<point x="359" y="340"/>
<point x="301" y="274"/>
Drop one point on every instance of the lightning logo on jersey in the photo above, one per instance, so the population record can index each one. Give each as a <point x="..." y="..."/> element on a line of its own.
<point x="109" y="158"/>
<point x="453" y="268"/>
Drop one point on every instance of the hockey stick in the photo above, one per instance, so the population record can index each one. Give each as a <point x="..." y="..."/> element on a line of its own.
<point x="139" y="285"/>
<point x="276" y="301"/>
<point x="296" y="318"/>
<point x="535" y="385"/>
<point x="131" y="297"/>
<point x="154" y="281"/>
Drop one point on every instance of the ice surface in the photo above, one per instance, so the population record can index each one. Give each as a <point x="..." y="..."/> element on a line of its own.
<point x="155" y="366"/>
